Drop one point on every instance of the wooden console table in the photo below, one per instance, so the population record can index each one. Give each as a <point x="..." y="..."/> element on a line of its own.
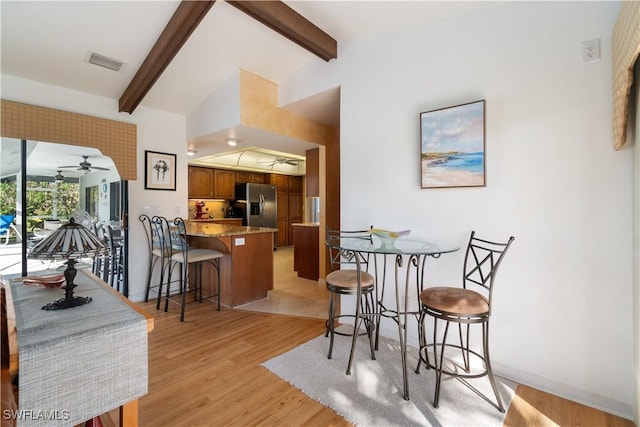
<point x="76" y="364"/>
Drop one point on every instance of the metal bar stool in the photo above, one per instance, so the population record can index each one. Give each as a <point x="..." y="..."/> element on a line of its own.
<point x="187" y="259"/>
<point x="356" y="282"/>
<point x="115" y="266"/>
<point x="463" y="306"/>
<point x="164" y="247"/>
<point x="154" y="251"/>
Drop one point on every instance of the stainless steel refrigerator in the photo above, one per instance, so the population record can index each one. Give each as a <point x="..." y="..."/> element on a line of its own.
<point x="260" y="202"/>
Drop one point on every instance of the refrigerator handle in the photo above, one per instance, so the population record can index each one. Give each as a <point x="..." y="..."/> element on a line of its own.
<point x="261" y="207"/>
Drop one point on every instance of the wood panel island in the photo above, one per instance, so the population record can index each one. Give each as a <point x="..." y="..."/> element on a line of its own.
<point x="246" y="270"/>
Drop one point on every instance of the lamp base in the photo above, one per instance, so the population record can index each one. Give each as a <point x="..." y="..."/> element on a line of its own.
<point x="64" y="303"/>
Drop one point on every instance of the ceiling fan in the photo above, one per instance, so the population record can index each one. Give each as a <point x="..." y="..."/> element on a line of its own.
<point x="282" y="160"/>
<point x="84" y="166"/>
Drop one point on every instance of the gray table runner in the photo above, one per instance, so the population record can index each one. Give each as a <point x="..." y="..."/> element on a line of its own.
<point x="77" y="363"/>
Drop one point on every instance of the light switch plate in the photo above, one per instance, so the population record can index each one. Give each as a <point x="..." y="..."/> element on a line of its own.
<point x="240" y="241"/>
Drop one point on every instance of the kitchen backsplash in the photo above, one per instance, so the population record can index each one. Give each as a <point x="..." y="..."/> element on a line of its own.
<point x="212" y="208"/>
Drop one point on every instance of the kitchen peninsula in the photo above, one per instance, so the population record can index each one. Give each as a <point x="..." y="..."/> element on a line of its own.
<point x="246" y="269"/>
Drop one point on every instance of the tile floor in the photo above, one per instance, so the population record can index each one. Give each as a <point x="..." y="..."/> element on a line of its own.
<point x="291" y="294"/>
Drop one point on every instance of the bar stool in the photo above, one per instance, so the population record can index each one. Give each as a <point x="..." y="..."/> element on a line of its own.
<point x="154" y="252"/>
<point x="100" y="263"/>
<point x="164" y="246"/>
<point x="186" y="259"/>
<point x="466" y="305"/>
<point x="349" y="282"/>
<point x="115" y="264"/>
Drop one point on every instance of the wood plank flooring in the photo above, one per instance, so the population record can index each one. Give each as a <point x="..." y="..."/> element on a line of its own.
<point x="206" y="371"/>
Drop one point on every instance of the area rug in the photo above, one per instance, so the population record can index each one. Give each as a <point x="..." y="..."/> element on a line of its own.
<point x="372" y="394"/>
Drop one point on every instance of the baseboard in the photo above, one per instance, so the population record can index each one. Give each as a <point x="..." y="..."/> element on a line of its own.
<point x="565" y="391"/>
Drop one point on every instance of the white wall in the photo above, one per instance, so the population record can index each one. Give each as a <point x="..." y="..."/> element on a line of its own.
<point x="563" y="304"/>
<point x="634" y="139"/>
<point x="156" y="131"/>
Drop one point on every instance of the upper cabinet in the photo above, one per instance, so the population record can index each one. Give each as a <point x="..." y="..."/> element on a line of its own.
<point x="224" y="184"/>
<point x="207" y="183"/>
<point x="200" y="183"/>
<point x="252" y="177"/>
<point x="284" y="182"/>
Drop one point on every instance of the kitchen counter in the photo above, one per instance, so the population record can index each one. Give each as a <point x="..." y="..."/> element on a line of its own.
<point x="215" y="220"/>
<point x="246" y="269"/>
<point x="306" y="224"/>
<point x="211" y="229"/>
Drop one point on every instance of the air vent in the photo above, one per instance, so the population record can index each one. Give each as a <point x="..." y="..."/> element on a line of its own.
<point x="103" y="61"/>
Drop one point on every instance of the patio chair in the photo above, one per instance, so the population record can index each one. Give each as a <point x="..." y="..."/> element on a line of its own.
<point x="6" y="225"/>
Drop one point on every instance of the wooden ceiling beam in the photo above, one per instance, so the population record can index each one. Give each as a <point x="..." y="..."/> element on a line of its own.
<point x="289" y="23"/>
<point x="184" y="20"/>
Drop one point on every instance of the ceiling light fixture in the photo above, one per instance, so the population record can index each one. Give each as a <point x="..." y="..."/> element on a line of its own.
<point x="232" y="141"/>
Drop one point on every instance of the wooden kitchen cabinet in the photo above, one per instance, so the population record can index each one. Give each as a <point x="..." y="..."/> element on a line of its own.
<point x="295" y="183"/>
<point x="290" y="204"/>
<point x="280" y="181"/>
<point x="294" y="215"/>
<point x="224" y="182"/>
<point x="251" y="177"/>
<point x="200" y="182"/>
<point x="282" y="218"/>
<point x="306" y="252"/>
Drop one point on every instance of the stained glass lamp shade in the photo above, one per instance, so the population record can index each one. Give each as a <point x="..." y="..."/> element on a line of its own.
<point x="69" y="242"/>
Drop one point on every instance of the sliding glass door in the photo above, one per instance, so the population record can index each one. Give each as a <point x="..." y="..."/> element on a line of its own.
<point x="43" y="185"/>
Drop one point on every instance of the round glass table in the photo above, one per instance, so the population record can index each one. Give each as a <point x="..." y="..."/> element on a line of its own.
<point x="409" y="258"/>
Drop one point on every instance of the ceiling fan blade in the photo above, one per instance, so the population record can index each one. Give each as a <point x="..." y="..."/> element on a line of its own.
<point x="291" y="162"/>
<point x="99" y="168"/>
<point x="67" y="167"/>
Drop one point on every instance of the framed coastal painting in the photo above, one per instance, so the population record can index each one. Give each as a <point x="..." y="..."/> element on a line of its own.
<point x="453" y="146"/>
<point x="159" y="171"/>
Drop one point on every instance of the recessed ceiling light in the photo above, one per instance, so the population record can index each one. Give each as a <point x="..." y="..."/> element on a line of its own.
<point x="191" y="152"/>
<point x="232" y="141"/>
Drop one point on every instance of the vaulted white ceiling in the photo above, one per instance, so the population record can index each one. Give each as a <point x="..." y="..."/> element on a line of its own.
<point x="49" y="41"/>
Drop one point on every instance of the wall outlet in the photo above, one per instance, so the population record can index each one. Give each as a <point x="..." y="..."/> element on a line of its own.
<point x="240" y="241"/>
<point x="591" y="50"/>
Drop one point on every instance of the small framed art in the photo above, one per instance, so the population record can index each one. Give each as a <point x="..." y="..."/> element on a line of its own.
<point x="452" y="151"/>
<point x="159" y="171"/>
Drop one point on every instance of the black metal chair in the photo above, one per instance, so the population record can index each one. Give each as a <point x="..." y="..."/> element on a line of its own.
<point x="349" y="281"/>
<point x="100" y="263"/>
<point x="154" y="252"/>
<point x="466" y="305"/>
<point x="115" y="261"/>
<point x="187" y="259"/>
<point x="164" y="246"/>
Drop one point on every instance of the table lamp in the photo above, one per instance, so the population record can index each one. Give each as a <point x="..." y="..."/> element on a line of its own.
<point x="71" y="241"/>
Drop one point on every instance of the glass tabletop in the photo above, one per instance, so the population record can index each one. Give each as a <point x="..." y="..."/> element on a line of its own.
<point x="400" y="246"/>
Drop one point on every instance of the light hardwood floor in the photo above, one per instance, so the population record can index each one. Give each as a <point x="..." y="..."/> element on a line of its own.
<point x="206" y="371"/>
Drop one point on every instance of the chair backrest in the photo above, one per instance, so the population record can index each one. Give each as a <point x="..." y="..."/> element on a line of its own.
<point x="338" y="258"/>
<point x="481" y="263"/>
<point x="112" y="234"/>
<point x="5" y="221"/>
<point x="180" y="238"/>
<point x="148" y="231"/>
<point x="161" y="229"/>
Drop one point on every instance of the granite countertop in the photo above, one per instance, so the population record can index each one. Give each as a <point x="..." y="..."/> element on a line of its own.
<point x="215" y="219"/>
<point x="210" y="229"/>
<point x="306" y="224"/>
